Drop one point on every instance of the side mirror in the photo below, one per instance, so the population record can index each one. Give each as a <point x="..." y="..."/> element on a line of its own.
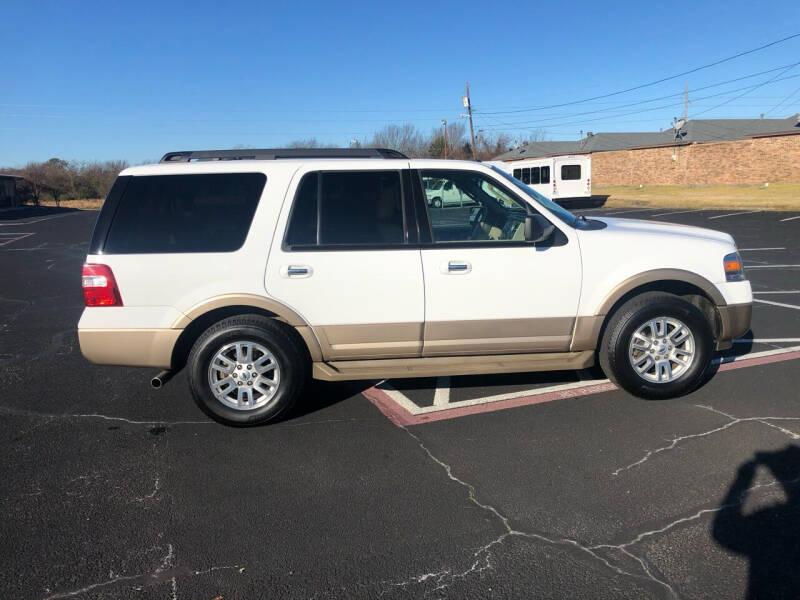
<point x="537" y="228"/>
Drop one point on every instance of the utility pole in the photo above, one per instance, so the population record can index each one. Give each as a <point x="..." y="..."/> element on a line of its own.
<point x="468" y="106"/>
<point x="444" y="133"/>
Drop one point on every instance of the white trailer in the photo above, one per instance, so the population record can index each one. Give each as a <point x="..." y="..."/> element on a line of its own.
<point x="557" y="177"/>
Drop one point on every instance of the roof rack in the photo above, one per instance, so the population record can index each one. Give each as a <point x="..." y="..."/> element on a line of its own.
<point x="279" y="153"/>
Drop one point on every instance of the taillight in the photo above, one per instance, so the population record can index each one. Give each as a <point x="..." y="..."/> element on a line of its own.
<point x="99" y="286"/>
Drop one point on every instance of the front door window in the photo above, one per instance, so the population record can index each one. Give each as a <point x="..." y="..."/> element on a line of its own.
<point x="473" y="208"/>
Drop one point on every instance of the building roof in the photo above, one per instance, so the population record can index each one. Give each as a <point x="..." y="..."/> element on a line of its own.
<point x="695" y="130"/>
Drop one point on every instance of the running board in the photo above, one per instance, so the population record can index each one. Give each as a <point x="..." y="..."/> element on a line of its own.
<point x="392" y="368"/>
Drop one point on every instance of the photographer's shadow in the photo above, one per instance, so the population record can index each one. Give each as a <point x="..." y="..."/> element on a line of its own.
<point x="770" y="536"/>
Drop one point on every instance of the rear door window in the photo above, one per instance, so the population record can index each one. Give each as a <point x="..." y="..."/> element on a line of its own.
<point x="184" y="213"/>
<point x="570" y="172"/>
<point x="348" y="208"/>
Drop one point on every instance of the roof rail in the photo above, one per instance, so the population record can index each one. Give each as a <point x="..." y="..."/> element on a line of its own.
<point x="279" y="153"/>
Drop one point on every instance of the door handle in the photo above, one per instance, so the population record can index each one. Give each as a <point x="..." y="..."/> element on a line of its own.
<point x="455" y="267"/>
<point x="296" y="271"/>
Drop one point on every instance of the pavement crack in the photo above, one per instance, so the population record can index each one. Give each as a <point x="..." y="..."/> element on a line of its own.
<point x="152" y="494"/>
<point x="481" y="559"/>
<point x="165" y="573"/>
<point x="29" y="413"/>
<point x="673" y="443"/>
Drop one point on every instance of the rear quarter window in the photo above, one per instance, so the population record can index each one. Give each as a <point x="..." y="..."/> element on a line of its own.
<point x="184" y="213"/>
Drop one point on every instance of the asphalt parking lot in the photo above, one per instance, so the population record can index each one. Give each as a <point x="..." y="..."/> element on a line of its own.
<point x="547" y="485"/>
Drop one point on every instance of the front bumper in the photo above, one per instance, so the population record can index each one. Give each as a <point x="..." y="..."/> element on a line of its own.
<point x="734" y="322"/>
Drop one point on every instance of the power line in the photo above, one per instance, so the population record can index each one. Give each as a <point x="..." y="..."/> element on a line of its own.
<point x="544" y="122"/>
<point x="640" y="102"/>
<point x="784" y="101"/>
<point x="662" y="80"/>
<point x="763" y="83"/>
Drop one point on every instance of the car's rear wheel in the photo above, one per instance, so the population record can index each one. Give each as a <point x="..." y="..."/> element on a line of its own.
<point x="247" y="370"/>
<point x="657" y="345"/>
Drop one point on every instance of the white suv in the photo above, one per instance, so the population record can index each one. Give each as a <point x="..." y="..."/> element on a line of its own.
<point x="258" y="269"/>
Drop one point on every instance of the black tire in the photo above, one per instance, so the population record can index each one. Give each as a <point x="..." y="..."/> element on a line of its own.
<point x="437" y="203"/>
<point x="291" y="356"/>
<point x="614" y="347"/>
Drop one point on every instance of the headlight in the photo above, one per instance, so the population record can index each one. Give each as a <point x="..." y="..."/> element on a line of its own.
<point x="733" y="267"/>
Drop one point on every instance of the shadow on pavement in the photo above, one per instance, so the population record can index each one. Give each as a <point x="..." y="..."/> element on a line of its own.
<point x="770" y="536"/>
<point x="734" y="351"/>
<point x="27" y="212"/>
<point x="322" y="394"/>
<point x="591" y="202"/>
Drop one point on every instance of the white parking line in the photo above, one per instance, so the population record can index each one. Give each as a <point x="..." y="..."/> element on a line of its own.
<point x="679" y="212"/>
<point x="794" y="306"/>
<point x="748" y="267"/>
<point x="791" y="218"/>
<point x="750" y="355"/>
<point x="9" y="238"/>
<point x="441" y="397"/>
<point x="747" y="212"/>
<point x="780" y="292"/>
<point x="40" y="219"/>
<point x="767" y="341"/>
<point x="623" y="212"/>
<point x="754" y="249"/>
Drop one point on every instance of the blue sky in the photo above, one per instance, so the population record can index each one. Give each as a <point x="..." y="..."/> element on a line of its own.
<point x="112" y="80"/>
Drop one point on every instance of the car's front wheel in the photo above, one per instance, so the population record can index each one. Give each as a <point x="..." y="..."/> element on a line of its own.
<point x="657" y="345"/>
<point x="437" y="203"/>
<point x="247" y="370"/>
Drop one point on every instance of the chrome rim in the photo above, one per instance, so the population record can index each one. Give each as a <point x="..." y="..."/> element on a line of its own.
<point x="244" y="375"/>
<point x="662" y="350"/>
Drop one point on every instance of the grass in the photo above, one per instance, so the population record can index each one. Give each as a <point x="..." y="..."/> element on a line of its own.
<point x="86" y="204"/>
<point x="776" y="196"/>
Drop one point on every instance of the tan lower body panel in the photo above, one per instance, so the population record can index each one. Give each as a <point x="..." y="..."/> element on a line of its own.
<point x="587" y="333"/>
<point x="734" y="322"/>
<point x="497" y="336"/>
<point x="378" y="340"/>
<point x="451" y="365"/>
<point x="129" y="347"/>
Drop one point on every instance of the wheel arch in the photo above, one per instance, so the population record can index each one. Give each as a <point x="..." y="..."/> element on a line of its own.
<point x="203" y="315"/>
<point x="685" y="284"/>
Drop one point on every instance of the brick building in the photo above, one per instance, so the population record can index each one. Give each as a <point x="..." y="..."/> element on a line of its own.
<point x="707" y="151"/>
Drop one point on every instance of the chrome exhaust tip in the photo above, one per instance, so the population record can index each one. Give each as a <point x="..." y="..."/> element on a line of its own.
<point x="162" y="378"/>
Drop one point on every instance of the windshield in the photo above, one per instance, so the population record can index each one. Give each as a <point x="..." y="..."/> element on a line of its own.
<point x="559" y="211"/>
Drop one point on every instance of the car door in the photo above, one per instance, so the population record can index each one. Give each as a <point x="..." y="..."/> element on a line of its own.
<point x="343" y="259"/>
<point x="487" y="289"/>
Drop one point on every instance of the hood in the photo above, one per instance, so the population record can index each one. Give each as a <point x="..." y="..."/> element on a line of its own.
<point x="640" y="227"/>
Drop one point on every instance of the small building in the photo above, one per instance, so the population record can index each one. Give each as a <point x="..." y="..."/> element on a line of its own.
<point x="698" y="151"/>
<point x="8" y="190"/>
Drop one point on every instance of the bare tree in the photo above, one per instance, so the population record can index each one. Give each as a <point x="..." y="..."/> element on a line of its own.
<point x="490" y="145"/>
<point x="535" y="135"/>
<point x="34" y="175"/>
<point x="308" y="143"/>
<point x="405" y="138"/>
<point x="58" y="180"/>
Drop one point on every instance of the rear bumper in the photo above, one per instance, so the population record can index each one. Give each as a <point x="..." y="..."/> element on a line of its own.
<point x="129" y="347"/>
<point x="734" y="322"/>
